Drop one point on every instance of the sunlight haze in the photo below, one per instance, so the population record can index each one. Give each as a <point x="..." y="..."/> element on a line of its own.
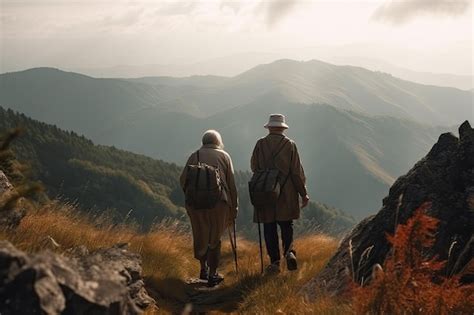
<point x="79" y="35"/>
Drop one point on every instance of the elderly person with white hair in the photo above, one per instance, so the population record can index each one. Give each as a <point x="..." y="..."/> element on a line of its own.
<point x="209" y="223"/>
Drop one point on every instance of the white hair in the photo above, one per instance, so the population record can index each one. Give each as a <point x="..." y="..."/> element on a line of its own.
<point x="212" y="137"/>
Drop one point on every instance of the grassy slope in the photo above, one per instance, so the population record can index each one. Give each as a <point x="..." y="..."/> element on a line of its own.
<point x="168" y="262"/>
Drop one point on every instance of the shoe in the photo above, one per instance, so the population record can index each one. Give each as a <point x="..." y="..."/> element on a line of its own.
<point x="291" y="262"/>
<point x="204" y="274"/>
<point x="214" y="280"/>
<point x="273" y="268"/>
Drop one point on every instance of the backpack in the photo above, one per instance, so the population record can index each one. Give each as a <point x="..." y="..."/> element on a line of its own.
<point x="265" y="185"/>
<point x="203" y="187"/>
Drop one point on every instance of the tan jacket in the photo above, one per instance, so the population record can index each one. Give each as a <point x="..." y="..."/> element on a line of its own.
<point x="212" y="155"/>
<point x="289" y="164"/>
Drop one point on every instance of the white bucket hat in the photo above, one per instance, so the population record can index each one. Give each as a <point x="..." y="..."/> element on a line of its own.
<point x="276" y="120"/>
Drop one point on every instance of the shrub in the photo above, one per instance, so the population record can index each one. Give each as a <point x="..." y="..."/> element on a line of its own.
<point x="410" y="283"/>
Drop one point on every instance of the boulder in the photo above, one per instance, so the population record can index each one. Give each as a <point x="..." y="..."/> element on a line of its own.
<point x="445" y="177"/>
<point x="106" y="281"/>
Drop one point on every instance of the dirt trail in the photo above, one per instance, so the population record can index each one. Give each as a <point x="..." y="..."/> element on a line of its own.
<point x="174" y="295"/>
<point x="247" y="292"/>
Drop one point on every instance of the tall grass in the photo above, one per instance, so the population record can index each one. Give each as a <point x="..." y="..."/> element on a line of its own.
<point x="403" y="285"/>
<point x="168" y="262"/>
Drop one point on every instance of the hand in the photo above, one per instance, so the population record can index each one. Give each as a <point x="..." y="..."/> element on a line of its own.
<point x="305" y="201"/>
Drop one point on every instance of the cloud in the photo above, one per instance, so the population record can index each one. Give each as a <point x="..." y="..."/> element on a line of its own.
<point x="276" y="10"/>
<point x="402" y="11"/>
<point x="270" y="12"/>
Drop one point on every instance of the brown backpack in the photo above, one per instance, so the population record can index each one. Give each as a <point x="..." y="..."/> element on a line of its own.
<point x="265" y="185"/>
<point x="203" y="187"/>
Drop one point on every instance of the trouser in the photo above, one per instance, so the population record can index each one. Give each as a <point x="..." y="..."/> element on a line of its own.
<point x="271" y="238"/>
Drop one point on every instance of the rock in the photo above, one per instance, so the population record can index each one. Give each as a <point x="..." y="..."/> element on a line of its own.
<point x="5" y="185"/>
<point x="107" y="281"/>
<point x="9" y="218"/>
<point x="445" y="177"/>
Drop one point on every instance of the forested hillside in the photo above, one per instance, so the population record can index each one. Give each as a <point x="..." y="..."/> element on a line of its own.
<point x="97" y="177"/>
<point x="71" y="167"/>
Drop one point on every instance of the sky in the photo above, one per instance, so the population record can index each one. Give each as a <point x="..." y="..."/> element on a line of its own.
<point x="422" y="35"/>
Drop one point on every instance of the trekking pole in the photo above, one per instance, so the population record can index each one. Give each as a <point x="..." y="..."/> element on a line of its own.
<point x="233" y="245"/>
<point x="260" y="241"/>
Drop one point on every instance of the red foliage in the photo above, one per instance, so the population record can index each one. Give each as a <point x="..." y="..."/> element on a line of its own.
<point x="405" y="284"/>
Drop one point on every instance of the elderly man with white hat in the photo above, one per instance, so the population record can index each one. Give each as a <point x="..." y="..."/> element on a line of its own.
<point x="279" y="152"/>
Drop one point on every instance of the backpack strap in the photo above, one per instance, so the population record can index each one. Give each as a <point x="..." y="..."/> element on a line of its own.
<point x="287" y="176"/>
<point x="208" y="178"/>
<point x="281" y="148"/>
<point x="275" y="154"/>
<point x="196" y="183"/>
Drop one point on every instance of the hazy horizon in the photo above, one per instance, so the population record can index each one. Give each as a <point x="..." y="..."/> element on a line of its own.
<point x="185" y="35"/>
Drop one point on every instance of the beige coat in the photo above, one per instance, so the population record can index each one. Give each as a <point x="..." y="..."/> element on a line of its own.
<point x="209" y="224"/>
<point x="289" y="164"/>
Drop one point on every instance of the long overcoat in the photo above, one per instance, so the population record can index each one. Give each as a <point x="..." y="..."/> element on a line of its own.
<point x="208" y="225"/>
<point x="287" y="161"/>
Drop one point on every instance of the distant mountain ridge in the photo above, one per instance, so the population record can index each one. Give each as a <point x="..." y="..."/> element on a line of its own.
<point x="235" y="64"/>
<point x="345" y="87"/>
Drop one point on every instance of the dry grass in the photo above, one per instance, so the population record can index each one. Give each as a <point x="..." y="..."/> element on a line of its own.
<point x="168" y="262"/>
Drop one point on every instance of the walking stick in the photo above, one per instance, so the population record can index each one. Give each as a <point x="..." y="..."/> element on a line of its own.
<point x="260" y="241"/>
<point x="233" y="244"/>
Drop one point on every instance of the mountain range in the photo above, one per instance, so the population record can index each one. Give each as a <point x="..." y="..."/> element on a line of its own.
<point x="235" y="64"/>
<point x="357" y="130"/>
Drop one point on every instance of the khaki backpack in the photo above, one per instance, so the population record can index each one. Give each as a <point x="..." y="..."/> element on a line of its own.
<point x="203" y="187"/>
<point x="266" y="185"/>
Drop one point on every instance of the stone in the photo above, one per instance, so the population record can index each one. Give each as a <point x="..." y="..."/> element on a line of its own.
<point x="10" y="218"/>
<point x="445" y="177"/>
<point x="106" y="281"/>
<point x="5" y="185"/>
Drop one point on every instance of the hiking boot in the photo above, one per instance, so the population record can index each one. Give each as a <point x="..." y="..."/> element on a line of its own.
<point x="273" y="268"/>
<point x="204" y="274"/>
<point x="291" y="262"/>
<point x="214" y="280"/>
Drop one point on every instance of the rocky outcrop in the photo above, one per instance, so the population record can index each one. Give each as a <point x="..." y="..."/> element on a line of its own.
<point x="10" y="217"/>
<point x="5" y="184"/>
<point x="445" y="177"/>
<point x="107" y="281"/>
